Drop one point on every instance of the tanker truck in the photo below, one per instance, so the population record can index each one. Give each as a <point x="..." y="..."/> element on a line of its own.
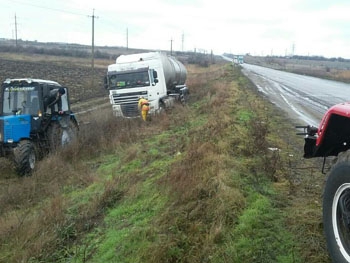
<point x="157" y="77"/>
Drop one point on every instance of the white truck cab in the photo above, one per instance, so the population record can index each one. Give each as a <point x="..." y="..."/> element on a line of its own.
<point x="158" y="78"/>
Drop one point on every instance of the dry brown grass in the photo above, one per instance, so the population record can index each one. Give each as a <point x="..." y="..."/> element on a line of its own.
<point x="65" y="170"/>
<point x="206" y="195"/>
<point x="206" y="199"/>
<point x="342" y="75"/>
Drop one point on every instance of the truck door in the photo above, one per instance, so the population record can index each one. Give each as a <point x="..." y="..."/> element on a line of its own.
<point x="153" y="91"/>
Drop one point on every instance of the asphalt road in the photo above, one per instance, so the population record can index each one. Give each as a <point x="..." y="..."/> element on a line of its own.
<point x="304" y="98"/>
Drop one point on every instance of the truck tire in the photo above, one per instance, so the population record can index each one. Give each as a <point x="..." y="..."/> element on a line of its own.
<point x="60" y="136"/>
<point x="336" y="209"/>
<point x="24" y="157"/>
<point x="162" y="109"/>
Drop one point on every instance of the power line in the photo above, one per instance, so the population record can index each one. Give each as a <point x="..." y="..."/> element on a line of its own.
<point x="48" y="8"/>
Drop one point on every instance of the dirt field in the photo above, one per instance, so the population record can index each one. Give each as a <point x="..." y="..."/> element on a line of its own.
<point x="77" y="75"/>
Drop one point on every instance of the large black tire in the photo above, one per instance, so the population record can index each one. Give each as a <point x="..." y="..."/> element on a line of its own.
<point x="336" y="210"/>
<point x="162" y="109"/>
<point x="61" y="135"/>
<point x="24" y="158"/>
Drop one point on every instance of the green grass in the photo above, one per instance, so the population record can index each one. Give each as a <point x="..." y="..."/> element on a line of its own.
<point x="197" y="186"/>
<point x="194" y="222"/>
<point x="260" y="235"/>
<point x="127" y="232"/>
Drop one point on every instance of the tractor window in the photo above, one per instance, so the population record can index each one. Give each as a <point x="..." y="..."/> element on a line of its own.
<point x="20" y="100"/>
<point x="64" y="102"/>
<point x="55" y="105"/>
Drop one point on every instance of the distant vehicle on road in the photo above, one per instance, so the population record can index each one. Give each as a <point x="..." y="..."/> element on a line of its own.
<point x="238" y="59"/>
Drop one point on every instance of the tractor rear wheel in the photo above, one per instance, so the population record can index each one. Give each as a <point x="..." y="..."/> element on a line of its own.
<point x="60" y="136"/>
<point x="336" y="209"/>
<point x="24" y="157"/>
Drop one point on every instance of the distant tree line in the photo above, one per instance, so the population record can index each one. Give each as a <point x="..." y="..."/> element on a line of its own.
<point x="314" y="58"/>
<point x="321" y="58"/>
<point x="81" y="51"/>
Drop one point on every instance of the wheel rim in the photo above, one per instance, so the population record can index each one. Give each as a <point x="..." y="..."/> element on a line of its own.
<point x="31" y="160"/>
<point x="340" y="219"/>
<point x="161" y="109"/>
<point x="66" y="138"/>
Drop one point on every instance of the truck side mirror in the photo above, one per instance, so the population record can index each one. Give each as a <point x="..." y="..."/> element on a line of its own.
<point x="155" y="77"/>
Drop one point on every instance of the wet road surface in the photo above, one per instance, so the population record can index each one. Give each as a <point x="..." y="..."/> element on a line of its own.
<point x="304" y="98"/>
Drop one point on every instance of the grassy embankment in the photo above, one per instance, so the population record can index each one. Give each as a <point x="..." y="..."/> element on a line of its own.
<point x="199" y="184"/>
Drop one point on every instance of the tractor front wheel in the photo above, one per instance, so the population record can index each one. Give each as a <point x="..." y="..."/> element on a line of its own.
<point x="336" y="210"/>
<point x="24" y="157"/>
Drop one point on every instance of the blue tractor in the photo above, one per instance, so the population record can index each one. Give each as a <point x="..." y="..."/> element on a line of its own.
<point x="32" y="124"/>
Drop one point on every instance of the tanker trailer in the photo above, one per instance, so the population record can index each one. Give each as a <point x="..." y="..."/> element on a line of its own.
<point x="157" y="77"/>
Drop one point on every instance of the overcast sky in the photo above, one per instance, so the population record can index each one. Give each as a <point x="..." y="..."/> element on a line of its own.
<point x="258" y="27"/>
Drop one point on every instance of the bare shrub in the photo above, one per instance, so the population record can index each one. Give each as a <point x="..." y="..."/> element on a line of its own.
<point x="6" y="168"/>
<point x="103" y="132"/>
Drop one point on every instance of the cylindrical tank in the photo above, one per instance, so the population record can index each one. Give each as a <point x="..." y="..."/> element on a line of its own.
<point x="175" y="72"/>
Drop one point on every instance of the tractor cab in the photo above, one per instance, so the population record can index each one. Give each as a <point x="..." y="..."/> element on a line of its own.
<point x="28" y="97"/>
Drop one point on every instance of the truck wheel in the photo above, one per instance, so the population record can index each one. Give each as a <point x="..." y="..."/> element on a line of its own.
<point x="162" y="109"/>
<point x="336" y="210"/>
<point x="60" y="136"/>
<point x="183" y="99"/>
<point x="24" y="157"/>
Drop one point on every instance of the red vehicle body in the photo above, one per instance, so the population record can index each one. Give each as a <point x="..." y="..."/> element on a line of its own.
<point x="332" y="135"/>
<point x="332" y="138"/>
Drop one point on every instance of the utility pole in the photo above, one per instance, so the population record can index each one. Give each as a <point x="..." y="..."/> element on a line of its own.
<point x="92" y="49"/>
<point x="16" y="29"/>
<point x="127" y="38"/>
<point x="93" y="40"/>
<point x="171" y="46"/>
<point x="183" y="39"/>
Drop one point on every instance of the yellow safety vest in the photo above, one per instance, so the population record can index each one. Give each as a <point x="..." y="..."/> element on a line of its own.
<point x="143" y="104"/>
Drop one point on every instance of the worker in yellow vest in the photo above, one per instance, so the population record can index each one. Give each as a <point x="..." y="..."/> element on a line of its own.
<point x="143" y="107"/>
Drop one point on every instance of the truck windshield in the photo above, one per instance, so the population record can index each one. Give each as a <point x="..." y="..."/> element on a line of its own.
<point x="20" y="100"/>
<point x="129" y="80"/>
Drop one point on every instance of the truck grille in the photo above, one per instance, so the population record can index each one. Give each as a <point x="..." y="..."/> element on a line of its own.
<point x="128" y="102"/>
<point x="132" y="97"/>
<point x="130" y="110"/>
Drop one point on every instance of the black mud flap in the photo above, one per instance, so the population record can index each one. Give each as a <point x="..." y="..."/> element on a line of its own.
<point x="309" y="147"/>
